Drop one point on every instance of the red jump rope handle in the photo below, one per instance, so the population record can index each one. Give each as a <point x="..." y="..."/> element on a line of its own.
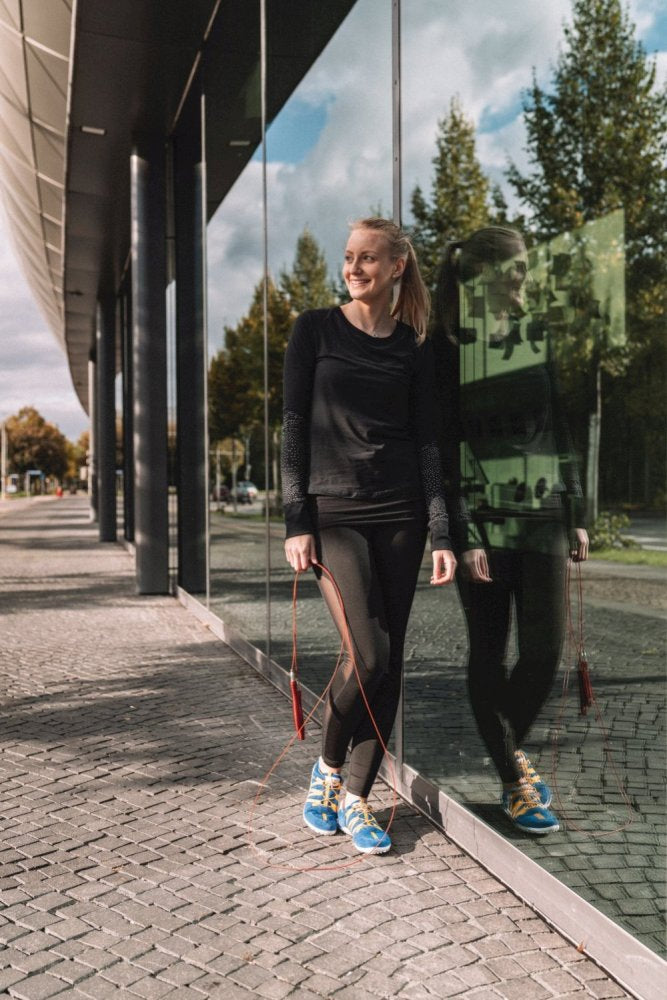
<point x="297" y="710"/>
<point x="585" y="686"/>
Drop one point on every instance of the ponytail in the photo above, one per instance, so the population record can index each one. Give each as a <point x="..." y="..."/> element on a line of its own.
<point x="413" y="302"/>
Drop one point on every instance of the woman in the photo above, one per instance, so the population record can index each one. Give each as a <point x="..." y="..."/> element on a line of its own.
<point x="516" y="462"/>
<point x="361" y="482"/>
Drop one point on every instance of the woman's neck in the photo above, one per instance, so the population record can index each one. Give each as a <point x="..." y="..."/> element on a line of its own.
<point x="374" y="318"/>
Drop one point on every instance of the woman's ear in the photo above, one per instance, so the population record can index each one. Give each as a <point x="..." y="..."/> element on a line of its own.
<point x="399" y="267"/>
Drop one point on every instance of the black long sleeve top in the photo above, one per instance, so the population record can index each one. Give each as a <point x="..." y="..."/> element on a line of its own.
<point x="360" y="420"/>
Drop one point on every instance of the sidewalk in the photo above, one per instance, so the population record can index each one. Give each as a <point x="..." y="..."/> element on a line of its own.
<point x="132" y="745"/>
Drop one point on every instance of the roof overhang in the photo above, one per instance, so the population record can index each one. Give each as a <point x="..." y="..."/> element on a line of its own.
<point x="78" y="81"/>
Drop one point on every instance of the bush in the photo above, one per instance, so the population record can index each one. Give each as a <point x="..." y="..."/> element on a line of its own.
<point x="606" y="532"/>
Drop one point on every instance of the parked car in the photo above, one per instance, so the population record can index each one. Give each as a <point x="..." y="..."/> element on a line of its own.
<point x="221" y="495"/>
<point x="246" y="491"/>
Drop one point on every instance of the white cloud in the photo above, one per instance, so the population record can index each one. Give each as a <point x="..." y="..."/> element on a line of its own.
<point x="33" y="367"/>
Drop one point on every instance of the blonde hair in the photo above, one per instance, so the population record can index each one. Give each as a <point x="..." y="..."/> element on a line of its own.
<point x="413" y="302"/>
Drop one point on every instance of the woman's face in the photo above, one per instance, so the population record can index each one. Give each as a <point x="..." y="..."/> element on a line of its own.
<point x="505" y="282"/>
<point x="369" y="270"/>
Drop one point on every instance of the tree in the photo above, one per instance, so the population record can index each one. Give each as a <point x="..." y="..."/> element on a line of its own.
<point x="459" y="193"/>
<point x="35" y="444"/>
<point x="77" y="456"/>
<point x="308" y="285"/>
<point x="597" y="142"/>
<point x="236" y="373"/>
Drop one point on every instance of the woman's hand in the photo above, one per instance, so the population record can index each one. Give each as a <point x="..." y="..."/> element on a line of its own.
<point x="300" y="552"/>
<point x="444" y="567"/>
<point x="476" y="566"/>
<point x="579" y="545"/>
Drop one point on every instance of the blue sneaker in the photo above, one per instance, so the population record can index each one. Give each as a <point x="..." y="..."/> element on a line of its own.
<point x="321" y="809"/>
<point x="526" y="770"/>
<point x="522" y="805"/>
<point x="360" y="823"/>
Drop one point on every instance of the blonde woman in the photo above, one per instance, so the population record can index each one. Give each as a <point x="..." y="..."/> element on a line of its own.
<point x="361" y="484"/>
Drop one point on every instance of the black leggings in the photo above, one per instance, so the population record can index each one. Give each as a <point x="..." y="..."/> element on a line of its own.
<point x="506" y="705"/>
<point x="375" y="568"/>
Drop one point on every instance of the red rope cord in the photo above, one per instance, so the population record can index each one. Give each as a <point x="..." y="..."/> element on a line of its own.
<point x="346" y="642"/>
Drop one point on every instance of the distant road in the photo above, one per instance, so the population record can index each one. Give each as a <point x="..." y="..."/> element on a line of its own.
<point x="650" y="532"/>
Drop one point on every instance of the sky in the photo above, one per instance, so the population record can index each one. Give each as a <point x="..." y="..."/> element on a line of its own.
<point x="330" y="158"/>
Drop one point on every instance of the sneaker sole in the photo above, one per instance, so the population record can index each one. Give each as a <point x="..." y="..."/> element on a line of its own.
<point x="317" y="829"/>
<point x="366" y="850"/>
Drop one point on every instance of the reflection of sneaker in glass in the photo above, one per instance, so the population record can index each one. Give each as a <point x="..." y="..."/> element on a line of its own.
<point x="321" y="809"/>
<point x="367" y="834"/>
<point x="526" y="770"/>
<point x="522" y="804"/>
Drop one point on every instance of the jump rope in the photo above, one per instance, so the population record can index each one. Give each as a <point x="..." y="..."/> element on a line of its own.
<point x="300" y="726"/>
<point x="575" y="653"/>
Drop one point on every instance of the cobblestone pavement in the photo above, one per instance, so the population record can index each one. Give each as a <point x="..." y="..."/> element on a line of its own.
<point x="607" y="771"/>
<point x="132" y="746"/>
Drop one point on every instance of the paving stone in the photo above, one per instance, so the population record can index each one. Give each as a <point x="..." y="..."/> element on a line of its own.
<point x="130" y="769"/>
<point x="38" y="987"/>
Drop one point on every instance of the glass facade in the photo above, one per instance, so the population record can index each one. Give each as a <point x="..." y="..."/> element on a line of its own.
<point x="377" y="128"/>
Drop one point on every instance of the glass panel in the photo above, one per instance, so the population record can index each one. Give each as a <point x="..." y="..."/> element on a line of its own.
<point x="329" y="153"/>
<point x="543" y="363"/>
<point x="235" y="326"/>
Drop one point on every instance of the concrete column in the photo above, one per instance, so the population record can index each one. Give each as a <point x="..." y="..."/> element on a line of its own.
<point x="128" y="421"/>
<point x="147" y="178"/>
<point x="92" y="440"/>
<point x="106" y="418"/>
<point x="191" y="454"/>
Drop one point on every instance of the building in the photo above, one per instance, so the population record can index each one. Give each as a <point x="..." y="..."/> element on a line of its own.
<point x="146" y="203"/>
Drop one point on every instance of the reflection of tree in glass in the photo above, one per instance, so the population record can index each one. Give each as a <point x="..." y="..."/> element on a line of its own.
<point x="236" y="373"/>
<point x="459" y="200"/>
<point x="597" y="142"/>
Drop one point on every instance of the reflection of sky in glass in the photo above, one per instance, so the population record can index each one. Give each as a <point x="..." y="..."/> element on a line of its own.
<point x="329" y="148"/>
<point x="294" y="131"/>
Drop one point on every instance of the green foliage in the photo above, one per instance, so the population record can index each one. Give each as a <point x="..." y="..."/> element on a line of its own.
<point x="236" y="373"/>
<point x="35" y="444"/>
<point x="308" y="285"/>
<point x="632" y="557"/>
<point x="606" y="533"/>
<point x="460" y="190"/>
<point x="597" y="141"/>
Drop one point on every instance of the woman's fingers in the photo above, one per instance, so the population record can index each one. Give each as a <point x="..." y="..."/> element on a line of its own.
<point x="300" y="552"/>
<point x="477" y="565"/>
<point x="580" y="545"/>
<point x="444" y="567"/>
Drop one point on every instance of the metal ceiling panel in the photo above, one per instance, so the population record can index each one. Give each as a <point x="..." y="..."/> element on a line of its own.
<point x="10" y="13"/>
<point x="48" y="22"/>
<point x="48" y="76"/>
<point x="15" y="133"/>
<point x="49" y="153"/>
<point x="51" y="198"/>
<point x="13" y="65"/>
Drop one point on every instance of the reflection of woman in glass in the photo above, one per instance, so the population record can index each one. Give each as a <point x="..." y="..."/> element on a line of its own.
<point x="514" y="470"/>
<point x="361" y="481"/>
